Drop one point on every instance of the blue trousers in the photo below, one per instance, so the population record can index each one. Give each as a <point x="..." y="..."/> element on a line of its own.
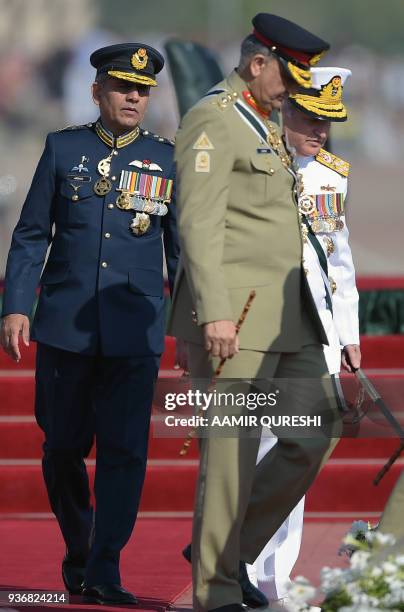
<point x="79" y="397"/>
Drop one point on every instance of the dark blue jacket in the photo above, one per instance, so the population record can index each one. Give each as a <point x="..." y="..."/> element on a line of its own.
<point x="102" y="286"/>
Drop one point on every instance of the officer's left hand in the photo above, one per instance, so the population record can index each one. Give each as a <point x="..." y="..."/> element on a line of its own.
<point x="351" y="357"/>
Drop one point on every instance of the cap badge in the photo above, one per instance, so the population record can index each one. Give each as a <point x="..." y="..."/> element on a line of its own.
<point x="139" y="59"/>
<point x="336" y="84"/>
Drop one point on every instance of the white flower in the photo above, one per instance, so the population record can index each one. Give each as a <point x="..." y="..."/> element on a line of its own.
<point x="359" y="560"/>
<point x="376" y="572"/>
<point x="332" y="579"/>
<point x="389" y="568"/>
<point x="301" y="591"/>
<point x="365" y="600"/>
<point x="400" y="560"/>
<point x="383" y="539"/>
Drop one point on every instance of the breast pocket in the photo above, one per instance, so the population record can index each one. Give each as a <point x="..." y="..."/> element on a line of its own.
<point x="264" y="170"/>
<point x="75" y="201"/>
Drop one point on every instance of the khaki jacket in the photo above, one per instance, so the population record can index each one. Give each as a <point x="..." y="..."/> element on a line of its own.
<point x="239" y="230"/>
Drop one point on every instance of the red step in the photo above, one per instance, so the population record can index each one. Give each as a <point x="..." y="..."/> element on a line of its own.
<point x="23" y="440"/>
<point x="20" y="439"/>
<point x="17" y="395"/>
<point x="342" y="486"/>
<point x="17" y="392"/>
<point x="28" y="357"/>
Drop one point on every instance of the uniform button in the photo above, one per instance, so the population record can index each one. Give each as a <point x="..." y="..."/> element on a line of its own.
<point x="75" y="197"/>
<point x="271" y="171"/>
<point x="146" y="132"/>
<point x="107" y="235"/>
<point x="111" y="206"/>
<point x="89" y="125"/>
<point x="115" y="152"/>
<point x="104" y="264"/>
<point x="113" y="178"/>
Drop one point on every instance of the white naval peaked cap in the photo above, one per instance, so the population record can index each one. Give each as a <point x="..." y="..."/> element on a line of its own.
<point x="321" y="75"/>
<point x="324" y="99"/>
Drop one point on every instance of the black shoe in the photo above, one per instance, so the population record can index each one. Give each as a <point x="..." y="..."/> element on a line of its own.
<point x="252" y="597"/>
<point x="229" y="608"/>
<point x="73" y="571"/>
<point x="108" y="594"/>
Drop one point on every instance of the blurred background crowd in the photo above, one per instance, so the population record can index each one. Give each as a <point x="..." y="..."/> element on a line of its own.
<point x="45" y="78"/>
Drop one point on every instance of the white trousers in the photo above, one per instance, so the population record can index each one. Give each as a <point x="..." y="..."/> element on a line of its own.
<point x="271" y="571"/>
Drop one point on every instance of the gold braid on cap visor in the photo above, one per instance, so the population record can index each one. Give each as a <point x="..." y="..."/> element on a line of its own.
<point x="142" y="79"/>
<point x="327" y="104"/>
<point x="300" y="75"/>
<point x="316" y="58"/>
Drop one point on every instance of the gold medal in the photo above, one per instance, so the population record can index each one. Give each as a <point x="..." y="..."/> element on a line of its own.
<point x="317" y="225"/>
<point x="124" y="201"/>
<point x="104" y="166"/>
<point x="307" y="204"/>
<point x="329" y="243"/>
<point x="102" y="186"/>
<point x="339" y="225"/>
<point x="140" y="224"/>
<point x="325" y="226"/>
<point x="332" y="224"/>
<point x="149" y="206"/>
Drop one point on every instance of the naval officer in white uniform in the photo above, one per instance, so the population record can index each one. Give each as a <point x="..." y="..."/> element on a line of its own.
<point x="306" y="119"/>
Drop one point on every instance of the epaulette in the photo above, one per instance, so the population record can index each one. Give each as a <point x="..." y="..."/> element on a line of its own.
<point x="70" y="128"/>
<point x="225" y="100"/>
<point x="158" y="138"/>
<point x="332" y="161"/>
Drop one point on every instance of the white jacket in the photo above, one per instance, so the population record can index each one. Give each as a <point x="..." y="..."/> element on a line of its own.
<point x="342" y="327"/>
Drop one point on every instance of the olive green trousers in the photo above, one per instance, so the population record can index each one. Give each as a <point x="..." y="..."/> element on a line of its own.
<point x="238" y="505"/>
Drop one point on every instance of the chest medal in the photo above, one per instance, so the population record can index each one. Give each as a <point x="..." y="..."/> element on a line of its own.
<point x="103" y="185"/>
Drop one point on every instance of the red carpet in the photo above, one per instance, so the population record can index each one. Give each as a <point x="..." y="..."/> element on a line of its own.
<point x="152" y="565"/>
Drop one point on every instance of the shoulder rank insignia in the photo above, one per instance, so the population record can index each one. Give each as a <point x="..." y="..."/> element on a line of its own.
<point x="225" y="99"/>
<point x="149" y="134"/>
<point x="333" y="162"/>
<point x="70" y="128"/>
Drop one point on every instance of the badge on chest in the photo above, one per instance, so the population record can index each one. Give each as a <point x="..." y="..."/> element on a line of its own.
<point x="147" y="194"/>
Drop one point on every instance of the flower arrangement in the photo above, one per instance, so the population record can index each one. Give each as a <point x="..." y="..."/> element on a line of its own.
<point x="373" y="582"/>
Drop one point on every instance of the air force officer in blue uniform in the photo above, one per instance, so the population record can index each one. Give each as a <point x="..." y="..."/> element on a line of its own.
<point x="102" y="197"/>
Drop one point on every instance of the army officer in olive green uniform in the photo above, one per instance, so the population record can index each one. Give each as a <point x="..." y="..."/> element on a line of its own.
<point x="240" y="230"/>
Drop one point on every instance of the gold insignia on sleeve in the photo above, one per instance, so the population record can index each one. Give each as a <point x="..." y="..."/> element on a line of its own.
<point x="139" y="59"/>
<point x="203" y="142"/>
<point x="202" y="161"/>
<point x="332" y="161"/>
